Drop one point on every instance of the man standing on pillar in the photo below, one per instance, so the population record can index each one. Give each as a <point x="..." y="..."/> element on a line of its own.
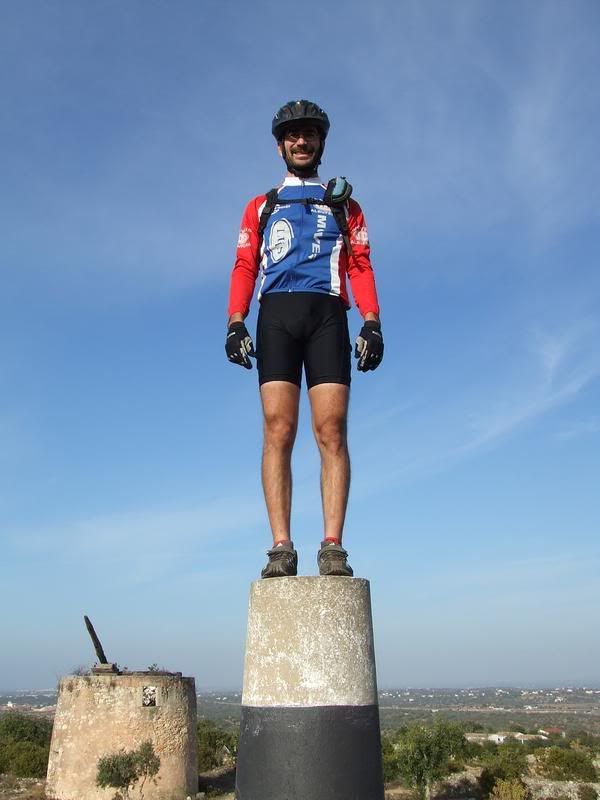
<point x="305" y="237"/>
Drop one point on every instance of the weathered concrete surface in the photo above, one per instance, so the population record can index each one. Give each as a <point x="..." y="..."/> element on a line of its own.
<point x="310" y="643"/>
<point x="99" y="715"/>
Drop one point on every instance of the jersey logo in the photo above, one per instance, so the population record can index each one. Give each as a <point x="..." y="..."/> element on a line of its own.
<point x="360" y="236"/>
<point x="280" y="239"/>
<point x="244" y="238"/>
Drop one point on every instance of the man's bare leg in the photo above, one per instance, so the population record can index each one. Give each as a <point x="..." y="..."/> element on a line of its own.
<point x="329" y="404"/>
<point x="280" y="401"/>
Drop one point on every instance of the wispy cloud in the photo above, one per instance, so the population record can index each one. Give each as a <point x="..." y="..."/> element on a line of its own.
<point x="543" y="574"/>
<point x="554" y="125"/>
<point x="483" y="129"/>
<point x="562" y="366"/>
<point x="148" y="544"/>
<point x="548" y="369"/>
<point x="579" y="430"/>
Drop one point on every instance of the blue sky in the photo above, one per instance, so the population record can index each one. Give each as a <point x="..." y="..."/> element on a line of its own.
<point x="132" y="134"/>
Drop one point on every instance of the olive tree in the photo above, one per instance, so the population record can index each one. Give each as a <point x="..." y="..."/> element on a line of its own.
<point x="124" y="769"/>
<point x="425" y="753"/>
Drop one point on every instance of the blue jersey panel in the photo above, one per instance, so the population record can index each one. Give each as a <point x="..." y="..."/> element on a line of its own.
<point x="301" y="244"/>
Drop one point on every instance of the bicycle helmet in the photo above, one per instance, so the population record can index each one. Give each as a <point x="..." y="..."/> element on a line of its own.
<point x="299" y="111"/>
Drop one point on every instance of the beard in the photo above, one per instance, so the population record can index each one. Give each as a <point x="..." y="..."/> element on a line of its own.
<point x="307" y="168"/>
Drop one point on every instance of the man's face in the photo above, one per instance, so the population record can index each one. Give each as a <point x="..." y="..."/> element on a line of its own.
<point x="301" y="145"/>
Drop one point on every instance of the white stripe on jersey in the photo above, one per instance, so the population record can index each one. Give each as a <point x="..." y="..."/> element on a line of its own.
<point x="263" y="256"/>
<point x="334" y="266"/>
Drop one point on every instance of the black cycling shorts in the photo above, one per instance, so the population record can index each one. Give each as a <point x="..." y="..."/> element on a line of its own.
<point x="296" y="328"/>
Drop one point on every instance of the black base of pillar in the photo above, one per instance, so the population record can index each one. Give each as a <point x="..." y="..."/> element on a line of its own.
<point x="309" y="753"/>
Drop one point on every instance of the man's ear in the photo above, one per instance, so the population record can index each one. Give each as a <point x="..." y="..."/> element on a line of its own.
<point x="280" y="148"/>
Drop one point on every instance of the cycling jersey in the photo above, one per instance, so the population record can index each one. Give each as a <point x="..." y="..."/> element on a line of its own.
<point x="302" y="250"/>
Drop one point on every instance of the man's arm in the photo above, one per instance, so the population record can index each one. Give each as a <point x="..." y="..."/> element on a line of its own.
<point x="369" y="343"/>
<point x="245" y="268"/>
<point x="360" y="271"/>
<point x="238" y="344"/>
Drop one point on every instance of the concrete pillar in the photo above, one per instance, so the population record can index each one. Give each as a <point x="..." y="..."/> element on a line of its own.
<point x="310" y="715"/>
<point x="100" y="714"/>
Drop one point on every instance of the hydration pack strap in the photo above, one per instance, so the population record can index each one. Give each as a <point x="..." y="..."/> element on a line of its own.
<point x="268" y="208"/>
<point x="336" y="196"/>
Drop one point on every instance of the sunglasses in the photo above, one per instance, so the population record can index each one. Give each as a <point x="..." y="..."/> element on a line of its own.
<point x="293" y="134"/>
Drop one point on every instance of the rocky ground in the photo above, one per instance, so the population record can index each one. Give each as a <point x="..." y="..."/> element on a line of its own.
<point x="220" y="784"/>
<point x="21" y="788"/>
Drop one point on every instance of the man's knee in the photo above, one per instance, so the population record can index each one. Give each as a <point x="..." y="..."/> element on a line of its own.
<point x="280" y="431"/>
<point x="330" y="434"/>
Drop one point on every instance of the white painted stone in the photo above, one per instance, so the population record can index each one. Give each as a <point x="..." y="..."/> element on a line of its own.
<point x="310" y="643"/>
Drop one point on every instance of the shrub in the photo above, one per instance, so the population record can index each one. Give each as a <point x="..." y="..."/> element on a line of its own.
<point x="124" y="769"/>
<point x="586" y="792"/>
<point x="24" y="759"/>
<point x="24" y="744"/>
<point x="512" y="789"/>
<point x="390" y="759"/>
<point x="118" y="771"/>
<point x="507" y="761"/>
<point x="559" y="764"/>
<point x="148" y="763"/>
<point x="215" y="746"/>
<point x="18" y="727"/>
<point x="425" y="752"/>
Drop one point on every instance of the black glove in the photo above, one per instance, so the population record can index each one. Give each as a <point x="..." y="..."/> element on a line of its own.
<point x="238" y="345"/>
<point x="369" y="346"/>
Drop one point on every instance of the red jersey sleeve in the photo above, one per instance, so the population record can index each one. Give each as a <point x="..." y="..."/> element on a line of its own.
<point x="245" y="269"/>
<point x="360" y="271"/>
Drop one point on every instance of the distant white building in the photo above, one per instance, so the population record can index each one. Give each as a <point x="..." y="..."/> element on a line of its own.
<point x="529" y="737"/>
<point x="502" y="736"/>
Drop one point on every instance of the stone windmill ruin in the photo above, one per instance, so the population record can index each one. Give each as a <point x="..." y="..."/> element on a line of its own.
<point x="111" y="711"/>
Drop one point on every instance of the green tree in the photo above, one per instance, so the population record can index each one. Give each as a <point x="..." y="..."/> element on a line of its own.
<point x="148" y="763"/>
<point x="559" y="764"/>
<point x="24" y="759"/>
<point x="124" y="769"/>
<point x="425" y="753"/>
<point x="24" y="744"/>
<point x="18" y="727"/>
<point x="582" y="738"/>
<point x="117" y="771"/>
<point x="214" y="745"/>
<point x="389" y="758"/>
<point x="507" y="761"/>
